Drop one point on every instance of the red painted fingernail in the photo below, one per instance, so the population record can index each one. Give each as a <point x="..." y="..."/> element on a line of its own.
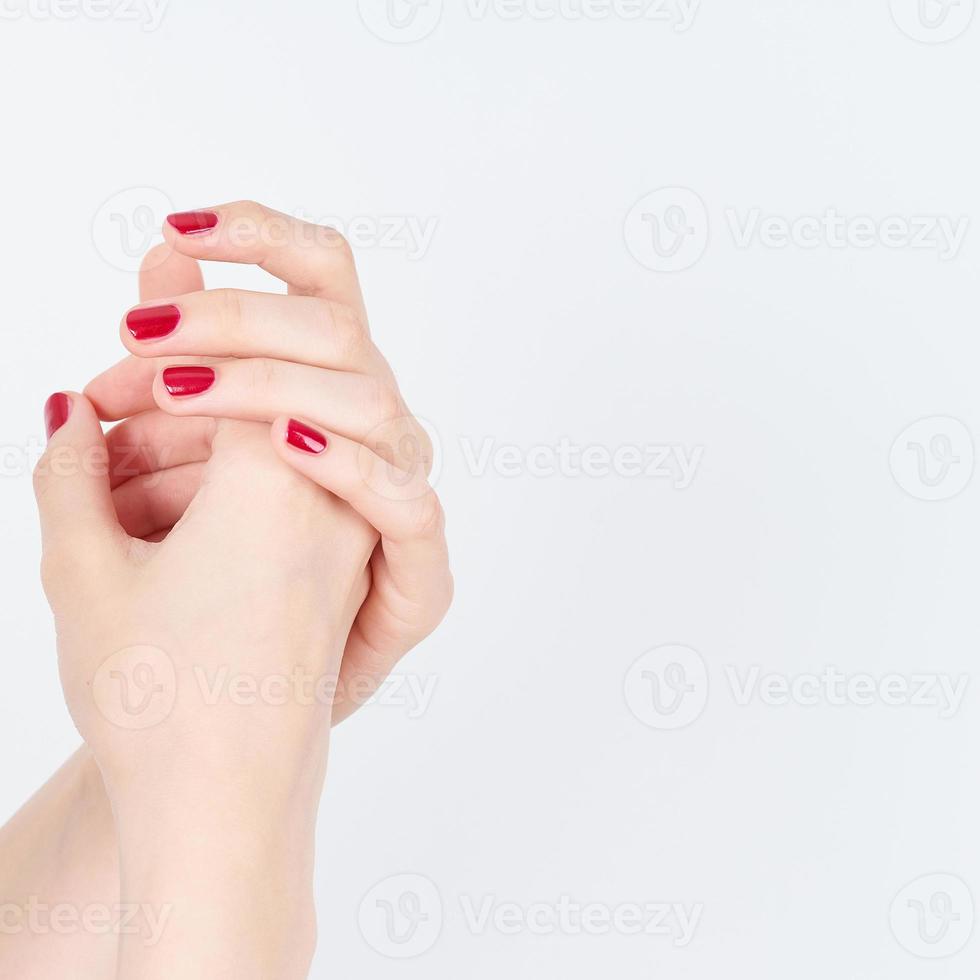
<point x="304" y="438"/>
<point x="56" y="411"/>
<point x="192" y="222"/>
<point x="152" y="322"/>
<point x="184" y="381"/>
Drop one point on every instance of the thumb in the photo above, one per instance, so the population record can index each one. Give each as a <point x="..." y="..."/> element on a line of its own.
<point x="79" y="527"/>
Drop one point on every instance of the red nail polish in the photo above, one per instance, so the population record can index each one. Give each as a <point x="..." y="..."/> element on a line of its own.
<point x="56" y="411"/>
<point x="184" y="381"/>
<point x="192" y="222"/>
<point x="304" y="438"/>
<point x="152" y="322"/>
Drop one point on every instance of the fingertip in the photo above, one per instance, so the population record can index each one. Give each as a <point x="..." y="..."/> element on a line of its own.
<point x="183" y="230"/>
<point x="179" y="384"/>
<point x="57" y="410"/>
<point x="305" y="439"/>
<point x="145" y="325"/>
<point x="155" y="258"/>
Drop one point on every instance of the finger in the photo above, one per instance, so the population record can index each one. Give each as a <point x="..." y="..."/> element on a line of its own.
<point x="237" y="323"/>
<point x="412" y="585"/>
<point x="154" y="441"/>
<point x="401" y="506"/>
<point x="165" y="272"/>
<point x="78" y="522"/>
<point x="260" y="389"/>
<point x="126" y="388"/>
<point x="123" y="390"/>
<point x="154" y="502"/>
<point x="314" y="260"/>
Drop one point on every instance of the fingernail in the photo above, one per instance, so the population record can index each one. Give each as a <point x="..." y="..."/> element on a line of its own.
<point x="184" y="381"/>
<point x="56" y="411"/>
<point x="152" y="322"/>
<point x="304" y="438"/>
<point x="192" y="222"/>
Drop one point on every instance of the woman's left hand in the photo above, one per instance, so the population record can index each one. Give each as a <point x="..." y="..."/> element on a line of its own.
<point x="305" y="364"/>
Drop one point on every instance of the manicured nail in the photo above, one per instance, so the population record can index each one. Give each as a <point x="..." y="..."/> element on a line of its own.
<point x="305" y="439"/>
<point x="56" y="411"/>
<point x="184" y="381"/>
<point x="193" y="222"/>
<point x="152" y="322"/>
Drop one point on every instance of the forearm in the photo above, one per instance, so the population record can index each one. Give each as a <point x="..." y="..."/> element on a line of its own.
<point x="223" y="882"/>
<point x="59" y="880"/>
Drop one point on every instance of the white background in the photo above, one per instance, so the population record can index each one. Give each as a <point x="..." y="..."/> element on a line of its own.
<point x="537" y="313"/>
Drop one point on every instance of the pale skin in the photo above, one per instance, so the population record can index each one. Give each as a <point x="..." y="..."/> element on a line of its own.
<point x="279" y="521"/>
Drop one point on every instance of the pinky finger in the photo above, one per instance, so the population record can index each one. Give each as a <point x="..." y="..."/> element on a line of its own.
<point x="399" y="504"/>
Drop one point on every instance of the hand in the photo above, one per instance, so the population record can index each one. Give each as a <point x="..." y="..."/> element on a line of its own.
<point x="215" y="800"/>
<point x="304" y="363"/>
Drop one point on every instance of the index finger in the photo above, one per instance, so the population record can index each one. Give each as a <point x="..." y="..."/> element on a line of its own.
<point x="314" y="260"/>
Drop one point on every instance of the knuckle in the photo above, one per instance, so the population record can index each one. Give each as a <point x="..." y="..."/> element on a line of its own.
<point x="385" y="400"/>
<point x="248" y="206"/>
<point x="264" y="373"/>
<point x="338" y="243"/>
<point x="429" y="519"/>
<point x="350" y="336"/>
<point x="425" y="450"/>
<point x="228" y="310"/>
